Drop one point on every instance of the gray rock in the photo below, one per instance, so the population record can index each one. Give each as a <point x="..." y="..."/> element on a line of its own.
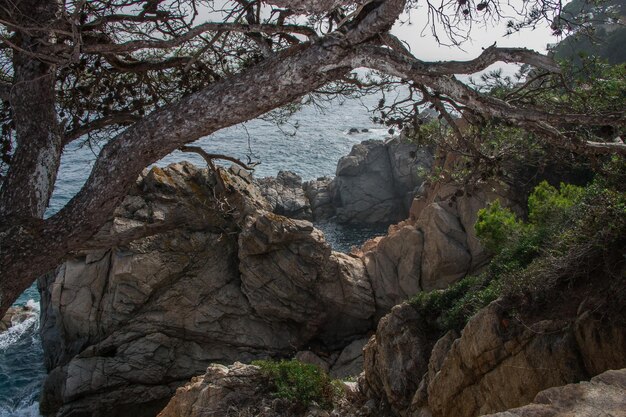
<point x="375" y="182"/>
<point x="286" y="196"/>
<point x="124" y="325"/>
<point x="396" y="358"/>
<point x="350" y="361"/>
<point x="306" y="356"/>
<point x="603" y="396"/>
<point x="319" y="193"/>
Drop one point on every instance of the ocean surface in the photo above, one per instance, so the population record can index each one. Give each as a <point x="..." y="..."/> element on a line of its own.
<point x="310" y="145"/>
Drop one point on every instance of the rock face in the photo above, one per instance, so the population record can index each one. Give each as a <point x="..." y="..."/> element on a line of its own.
<point x="375" y="182"/>
<point x="124" y="326"/>
<point x="286" y="195"/>
<point x="434" y="248"/>
<point x="222" y="278"/>
<point x="603" y="396"/>
<point x="396" y="358"/>
<point x="498" y="362"/>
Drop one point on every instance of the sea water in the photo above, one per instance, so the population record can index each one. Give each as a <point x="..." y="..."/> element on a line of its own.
<point x="309" y="144"/>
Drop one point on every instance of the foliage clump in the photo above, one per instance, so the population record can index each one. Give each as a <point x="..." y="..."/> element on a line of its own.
<point x="572" y="233"/>
<point x="301" y="383"/>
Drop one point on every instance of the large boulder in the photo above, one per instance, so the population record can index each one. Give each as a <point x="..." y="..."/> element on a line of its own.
<point x="376" y="181"/>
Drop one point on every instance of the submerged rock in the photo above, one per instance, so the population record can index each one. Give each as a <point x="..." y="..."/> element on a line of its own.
<point x="16" y="315"/>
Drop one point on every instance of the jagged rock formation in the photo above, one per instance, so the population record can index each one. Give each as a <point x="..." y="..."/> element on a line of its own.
<point x="286" y="195"/>
<point x="220" y="279"/>
<point x="498" y="362"/>
<point x="375" y="183"/>
<point x="434" y="248"/>
<point x="237" y="282"/>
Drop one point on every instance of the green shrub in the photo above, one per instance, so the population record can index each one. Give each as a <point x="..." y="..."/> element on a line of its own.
<point x="572" y="233"/>
<point x="548" y="205"/>
<point x="299" y="382"/>
<point x="496" y="225"/>
<point x="451" y="308"/>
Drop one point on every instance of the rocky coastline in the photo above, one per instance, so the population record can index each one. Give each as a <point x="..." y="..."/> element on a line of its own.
<point x="231" y="269"/>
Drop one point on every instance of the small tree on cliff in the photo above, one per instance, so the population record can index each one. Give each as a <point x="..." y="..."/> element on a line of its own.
<point x="149" y="77"/>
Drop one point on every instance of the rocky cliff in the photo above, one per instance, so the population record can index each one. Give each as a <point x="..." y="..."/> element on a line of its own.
<point x="502" y="359"/>
<point x="228" y="281"/>
<point x="219" y="278"/>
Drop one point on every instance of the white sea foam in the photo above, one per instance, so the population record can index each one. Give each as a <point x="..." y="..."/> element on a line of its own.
<point x="24" y="323"/>
<point x="30" y="410"/>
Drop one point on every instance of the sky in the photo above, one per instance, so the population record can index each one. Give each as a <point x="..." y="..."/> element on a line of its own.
<point x="424" y="46"/>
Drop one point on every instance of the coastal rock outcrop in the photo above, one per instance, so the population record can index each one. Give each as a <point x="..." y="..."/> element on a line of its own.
<point x="286" y="195"/>
<point x="221" y="278"/>
<point x="237" y="282"/>
<point x="376" y="181"/>
<point x="498" y="362"/>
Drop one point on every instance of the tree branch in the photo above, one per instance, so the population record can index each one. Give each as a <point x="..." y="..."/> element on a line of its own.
<point x="102" y="48"/>
<point x="143" y="66"/>
<point x="537" y="120"/>
<point x="121" y="119"/>
<point x="209" y="157"/>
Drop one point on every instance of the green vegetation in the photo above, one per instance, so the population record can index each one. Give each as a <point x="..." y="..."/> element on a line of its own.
<point x="299" y="382"/>
<point x="572" y="233"/>
<point x="596" y="30"/>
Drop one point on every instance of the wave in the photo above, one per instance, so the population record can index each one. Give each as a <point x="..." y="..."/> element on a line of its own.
<point x="22" y="324"/>
<point x="30" y="409"/>
<point x="20" y="364"/>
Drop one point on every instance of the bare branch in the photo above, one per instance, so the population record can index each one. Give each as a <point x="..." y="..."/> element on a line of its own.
<point x="145" y="65"/>
<point x="313" y="6"/>
<point x="209" y="157"/>
<point x="130" y="46"/>
<point x="120" y="119"/>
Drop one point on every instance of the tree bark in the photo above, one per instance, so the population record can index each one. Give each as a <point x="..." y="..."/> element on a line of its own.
<point x="28" y="186"/>
<point x="27" y="189"/>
